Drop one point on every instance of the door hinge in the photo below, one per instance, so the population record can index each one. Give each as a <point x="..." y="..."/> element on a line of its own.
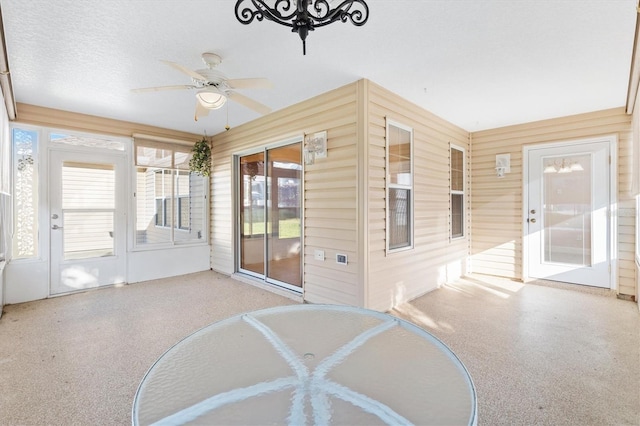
<point x="609" y="268"/>
<point x="609" y="160"/>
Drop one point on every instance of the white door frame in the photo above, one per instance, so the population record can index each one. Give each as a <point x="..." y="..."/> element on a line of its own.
<point x="119" y="160"/>
<point x="613" y="200"/>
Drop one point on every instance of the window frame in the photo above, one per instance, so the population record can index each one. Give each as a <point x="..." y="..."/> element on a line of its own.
<point x="462" y="192"/>
<point x="392" y="186"/>
<point x="171" y="202"/>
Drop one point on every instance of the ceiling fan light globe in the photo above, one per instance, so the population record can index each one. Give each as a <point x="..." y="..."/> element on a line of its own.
<point x="211" y="99"/>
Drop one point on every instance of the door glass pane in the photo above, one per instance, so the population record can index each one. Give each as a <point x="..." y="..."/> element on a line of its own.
<point x="88" y="209"/>
<point x="252" y="213"/>
<point x="88" y="234"/>
<point x="567" y="204"/>
<point x="283" y="206"/>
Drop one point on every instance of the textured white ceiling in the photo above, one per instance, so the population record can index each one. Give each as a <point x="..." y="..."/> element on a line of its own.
<point x="479" y="64"/>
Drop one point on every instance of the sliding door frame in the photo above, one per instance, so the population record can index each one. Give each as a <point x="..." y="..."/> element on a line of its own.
<point x="237" y="236"/>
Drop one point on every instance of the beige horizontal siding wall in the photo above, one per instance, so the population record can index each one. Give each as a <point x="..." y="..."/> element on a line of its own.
<point x="330" y="213"/>
<point x="397" y="277"/>
<point x="497" y="203"/>
<point x="47" y="117"/>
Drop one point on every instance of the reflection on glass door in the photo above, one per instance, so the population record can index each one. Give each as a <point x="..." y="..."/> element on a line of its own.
<point x="567" y="209"/>
<point x="270" y="218"/>
<point x="88" y="210"/>
<point x="284" y="170"/>
<point x="252" y="213"/>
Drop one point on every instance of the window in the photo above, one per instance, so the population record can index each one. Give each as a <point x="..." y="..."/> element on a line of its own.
<point x="162" y="194"/>
<point x="5" y="235"/>
<point x="5" y="151"/>
<point x="170" y="201"/>
<point x="456" y="164"/>
<point x="164" y="199"/>
<point x="25" y="192"/>
<point x="184" y="212"/>
<point x="399" y="186"/>
<point x="5" y="183"/>
<point x="86" y="141"/>
<point x="183" y="188"/>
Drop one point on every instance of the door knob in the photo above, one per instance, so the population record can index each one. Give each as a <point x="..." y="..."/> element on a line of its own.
<point x="56" y="227"/>
<point x="532" y="220"/>
<point x="533" y="212"/>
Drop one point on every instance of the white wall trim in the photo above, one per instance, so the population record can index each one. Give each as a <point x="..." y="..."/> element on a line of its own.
<point x="163" y="139"/>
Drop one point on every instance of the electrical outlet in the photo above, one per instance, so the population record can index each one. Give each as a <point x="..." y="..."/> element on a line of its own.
<point x="318" y="255"/>
<point x="341" y="259"/>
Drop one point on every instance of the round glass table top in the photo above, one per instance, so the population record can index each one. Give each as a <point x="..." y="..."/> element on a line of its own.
<point x="307" y="364"/>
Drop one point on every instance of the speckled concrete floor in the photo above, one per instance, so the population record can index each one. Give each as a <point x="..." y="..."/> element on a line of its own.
<point x="78" y="359"/>
<point x="537" y="354"/>
<point x="540" y="354"/>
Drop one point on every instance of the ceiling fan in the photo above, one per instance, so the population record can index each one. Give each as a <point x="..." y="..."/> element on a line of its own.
<point x="214" y="88"/>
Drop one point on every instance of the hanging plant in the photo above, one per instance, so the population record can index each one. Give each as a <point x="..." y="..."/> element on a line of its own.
<point x="251" y="169"/>
<point x="200" y="162"/>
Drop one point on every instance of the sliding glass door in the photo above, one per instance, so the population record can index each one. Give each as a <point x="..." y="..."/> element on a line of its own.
<point x="252" y="213"/>
<point x="270" y="215"/>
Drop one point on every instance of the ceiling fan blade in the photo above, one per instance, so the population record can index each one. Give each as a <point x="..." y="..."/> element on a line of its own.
<point x="159" y="88"/>
<point x="249" y="83"/>
<point x="201" y="111"/>
<point x="185" y="70"/>
<point x="249" y="103"/>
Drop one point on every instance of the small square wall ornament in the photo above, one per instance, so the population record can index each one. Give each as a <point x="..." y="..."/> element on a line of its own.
<point x="504" y="161"/>
<point x="315" y="146"/>
<point x="503" y="164"/>
<point x="320" y="140"/>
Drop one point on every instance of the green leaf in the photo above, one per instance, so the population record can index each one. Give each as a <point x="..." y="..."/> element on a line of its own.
<point x="200" y="162"/>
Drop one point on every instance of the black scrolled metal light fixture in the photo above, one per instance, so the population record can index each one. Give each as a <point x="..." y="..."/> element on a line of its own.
<point x="303" y="16"/>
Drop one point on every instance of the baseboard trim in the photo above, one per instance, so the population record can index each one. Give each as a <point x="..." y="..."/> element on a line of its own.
<point x="268" y="287"/>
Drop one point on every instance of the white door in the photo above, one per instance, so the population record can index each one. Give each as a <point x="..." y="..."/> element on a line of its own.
<point x="567" y="213"/>
<point x="87" y="220"/>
